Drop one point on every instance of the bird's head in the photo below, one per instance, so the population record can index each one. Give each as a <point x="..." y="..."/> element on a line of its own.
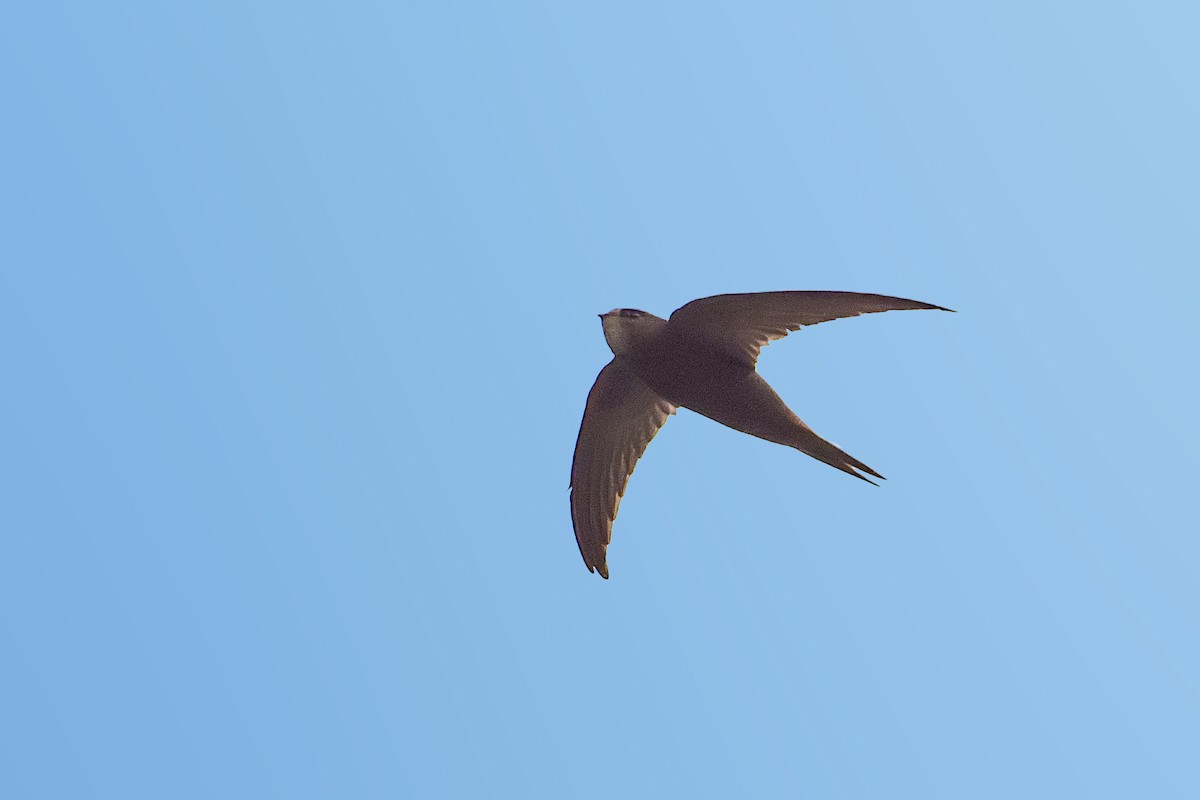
<point x="627" y="328"/>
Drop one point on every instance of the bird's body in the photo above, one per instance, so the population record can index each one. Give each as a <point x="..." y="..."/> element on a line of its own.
<point x="690" y="375"/>
<point x="703" y="358"/>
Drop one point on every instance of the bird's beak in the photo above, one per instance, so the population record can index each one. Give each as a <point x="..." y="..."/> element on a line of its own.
<point x="602" y="316"/>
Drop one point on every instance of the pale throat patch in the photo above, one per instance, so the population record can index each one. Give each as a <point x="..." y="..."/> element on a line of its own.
<point x="616" y="334"/>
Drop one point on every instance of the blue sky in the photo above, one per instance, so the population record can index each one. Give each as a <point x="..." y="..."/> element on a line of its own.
<point x="297" y="318"/>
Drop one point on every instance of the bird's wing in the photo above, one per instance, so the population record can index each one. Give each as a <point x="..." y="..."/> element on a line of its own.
<point x="741" y="324"/>
<point x="622" y="415"/>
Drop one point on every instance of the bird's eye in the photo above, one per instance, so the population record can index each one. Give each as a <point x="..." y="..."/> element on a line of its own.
<point x="631" y="312"/>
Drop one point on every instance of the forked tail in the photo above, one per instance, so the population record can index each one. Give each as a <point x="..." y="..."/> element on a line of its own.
<point x="806" y="441"/>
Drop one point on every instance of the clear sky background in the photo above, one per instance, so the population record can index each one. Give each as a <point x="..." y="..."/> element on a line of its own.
<point x="298" y="316"/>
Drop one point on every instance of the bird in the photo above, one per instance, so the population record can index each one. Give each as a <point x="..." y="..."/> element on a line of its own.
<point x="703" y="358"/>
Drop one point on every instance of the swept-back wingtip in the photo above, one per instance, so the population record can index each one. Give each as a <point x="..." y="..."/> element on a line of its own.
<point x="930" y="307"/>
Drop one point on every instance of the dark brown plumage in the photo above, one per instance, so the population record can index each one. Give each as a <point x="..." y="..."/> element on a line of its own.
<point x="703" y="358"/>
